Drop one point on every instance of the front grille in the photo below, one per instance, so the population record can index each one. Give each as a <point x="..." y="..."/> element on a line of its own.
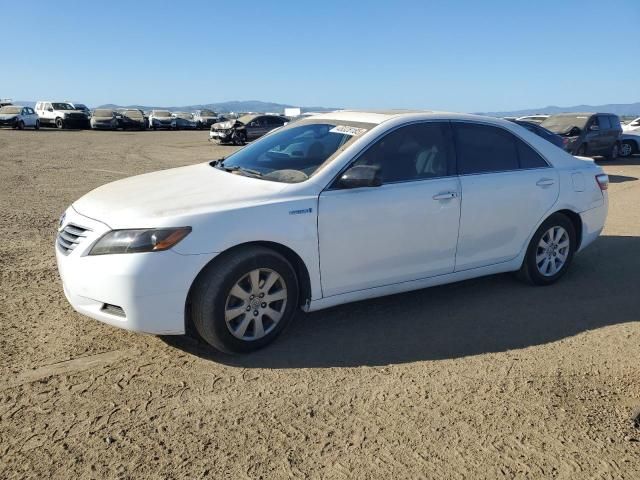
<point x="70" y="236"/>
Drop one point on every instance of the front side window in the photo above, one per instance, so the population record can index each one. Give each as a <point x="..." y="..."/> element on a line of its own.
<point x="414" y="152"/>
<point x="293" y="154"/>
<point x="484" y="148"/>
<point x="62" y="106"/>
<point x="604" y="122"/>
<point x="615" y="121"/>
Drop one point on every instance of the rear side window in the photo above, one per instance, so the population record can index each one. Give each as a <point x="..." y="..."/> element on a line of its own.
<point x="483" y="148"/>
<point x="604" y="122"/>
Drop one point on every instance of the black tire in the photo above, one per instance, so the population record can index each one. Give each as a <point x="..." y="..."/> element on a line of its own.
<point x="238" y="138"/>
<point x="628" y="148"/>
<point x="59" y="123"/>
<point x="37" y="125"/>
<point x="613" y="152"/>
<point x="529" y="271"/>
<point x="20" y="125"/>
<point x="583" y="150"/>
<point x="212" y="288"/>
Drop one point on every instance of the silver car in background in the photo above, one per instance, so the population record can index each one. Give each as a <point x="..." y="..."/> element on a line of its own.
<point x="160" y="119"/>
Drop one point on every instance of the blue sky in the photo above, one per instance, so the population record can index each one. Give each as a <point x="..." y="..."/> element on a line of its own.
<point x="454" y="55"/>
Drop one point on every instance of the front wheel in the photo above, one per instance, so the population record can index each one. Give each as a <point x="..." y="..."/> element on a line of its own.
<point x="550" y="251"/>
<point x="243" y="302"/>
<point x="20" y="125"/>
<point x="239" y="138"/>
<point x="59" y="123"/>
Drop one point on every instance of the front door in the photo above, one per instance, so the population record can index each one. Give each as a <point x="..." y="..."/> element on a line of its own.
<point x="407" y="228"/>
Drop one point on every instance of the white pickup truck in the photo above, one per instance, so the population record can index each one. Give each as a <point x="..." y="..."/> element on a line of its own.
<point x="61" y="115"/>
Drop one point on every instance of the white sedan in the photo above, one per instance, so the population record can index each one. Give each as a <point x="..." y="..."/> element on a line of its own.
<point x="331" y="209"/>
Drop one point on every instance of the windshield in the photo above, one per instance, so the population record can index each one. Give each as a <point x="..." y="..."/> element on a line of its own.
<point x="10" y="110"/>
<point x="62" y="106"/>
<point x="207" y="113"/>
<point x="564" y="123"/>
<point x="246" y="118"/>
<point x="162" y="113"/>
<point x="292" y="155"/>
<point x="103" y="112"/>
<point x="81" y="106"/>
<point x="132" y="114"/>
<point x="184" y="116"/>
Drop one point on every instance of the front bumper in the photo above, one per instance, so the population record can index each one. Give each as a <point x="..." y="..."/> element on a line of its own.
<point x="151" y="289"/>
<point x="12" y="122"/>
<point x="157" y="124"/>
<point x="219" y="135"/>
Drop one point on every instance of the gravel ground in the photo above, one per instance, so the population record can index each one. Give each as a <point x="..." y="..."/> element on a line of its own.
<point x="488" y="378"/>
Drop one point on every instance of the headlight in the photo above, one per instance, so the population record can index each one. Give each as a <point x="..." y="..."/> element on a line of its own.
<point x="137" y="241"/>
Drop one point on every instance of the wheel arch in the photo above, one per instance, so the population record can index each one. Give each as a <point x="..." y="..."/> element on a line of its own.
<point x="302" y="273"/>
<point x="576" y="221"/>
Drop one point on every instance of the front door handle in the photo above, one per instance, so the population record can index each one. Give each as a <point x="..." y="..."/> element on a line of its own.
<point x="445" y="195"/>
<point x="545" y="182"/>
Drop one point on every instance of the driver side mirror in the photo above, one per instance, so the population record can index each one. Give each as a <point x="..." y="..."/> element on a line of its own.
<point x="594" y="128"/>
<point x="361" y="176"/>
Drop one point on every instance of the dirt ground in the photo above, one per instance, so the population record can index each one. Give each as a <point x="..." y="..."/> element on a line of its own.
<point x="484" y="379"/>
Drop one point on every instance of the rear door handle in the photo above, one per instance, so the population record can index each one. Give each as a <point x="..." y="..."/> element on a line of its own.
<point x="445" y="195"/>
<point x="545" y="182"/>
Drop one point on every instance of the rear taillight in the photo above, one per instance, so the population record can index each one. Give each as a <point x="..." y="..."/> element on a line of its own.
<point x="603" y="181"/>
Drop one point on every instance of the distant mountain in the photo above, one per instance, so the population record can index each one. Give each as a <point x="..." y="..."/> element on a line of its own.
<point x="223" y="107"/>
<point x="622" y="109"/>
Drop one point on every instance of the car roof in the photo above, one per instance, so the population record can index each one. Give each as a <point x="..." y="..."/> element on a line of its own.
<point x="377" y="117"/>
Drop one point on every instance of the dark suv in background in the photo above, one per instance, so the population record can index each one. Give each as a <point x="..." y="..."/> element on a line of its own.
<point x="587" y="134"/>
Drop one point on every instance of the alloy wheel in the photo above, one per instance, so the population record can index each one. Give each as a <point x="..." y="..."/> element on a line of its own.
<point x="255" y="304"/>
<point x="626" y="149"/>
<point x="552" y="251"/>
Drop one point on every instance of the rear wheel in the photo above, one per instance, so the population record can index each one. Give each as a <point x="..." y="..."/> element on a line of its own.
<point x="550" y="251"/>
<point x="627" y="148"/>
<point x="37" y="125"/>
<point x="583" y="151"/>
<point x="613" y="152"/>
<point x="243" y="302"/>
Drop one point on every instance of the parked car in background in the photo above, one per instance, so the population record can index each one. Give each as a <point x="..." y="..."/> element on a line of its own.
<point x="132" y="119"/>
<point x="533" y="118"/>
<point x="633" y="125"/>
<point x="333" y="209"/>
<point x="5" y="101"/>
<point x="19" y="117"/>
<point x="245" y="128"/>
<point x="61" y="115"/>
<point x="205" y="118"/>
<point x="106" y="119"/>
<point x="160" y="119"/>
<point x="82" y="108"/>
<point x="630" y="143"/>
<point x="587" y="134"/>
<point x="183" y="121"/>
<point x="548" y="135"/>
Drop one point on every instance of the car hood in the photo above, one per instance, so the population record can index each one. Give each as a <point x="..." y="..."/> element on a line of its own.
<point x="161" y="198"/>
<point x="8" y="116"/>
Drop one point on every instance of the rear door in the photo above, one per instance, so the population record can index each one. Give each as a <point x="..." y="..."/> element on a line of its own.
<point x="403" y="230"/>
<point x="507" y="188"/>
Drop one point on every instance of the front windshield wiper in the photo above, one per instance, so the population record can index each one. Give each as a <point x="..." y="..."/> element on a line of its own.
<point x="244" y="170"/>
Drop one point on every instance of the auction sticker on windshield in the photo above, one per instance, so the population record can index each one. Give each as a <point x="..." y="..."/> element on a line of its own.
<point x="347" y="130"/>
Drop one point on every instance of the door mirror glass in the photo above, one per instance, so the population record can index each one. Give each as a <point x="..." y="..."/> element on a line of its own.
<point x="361" y="176"/>
<point x="594" y="128"/>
